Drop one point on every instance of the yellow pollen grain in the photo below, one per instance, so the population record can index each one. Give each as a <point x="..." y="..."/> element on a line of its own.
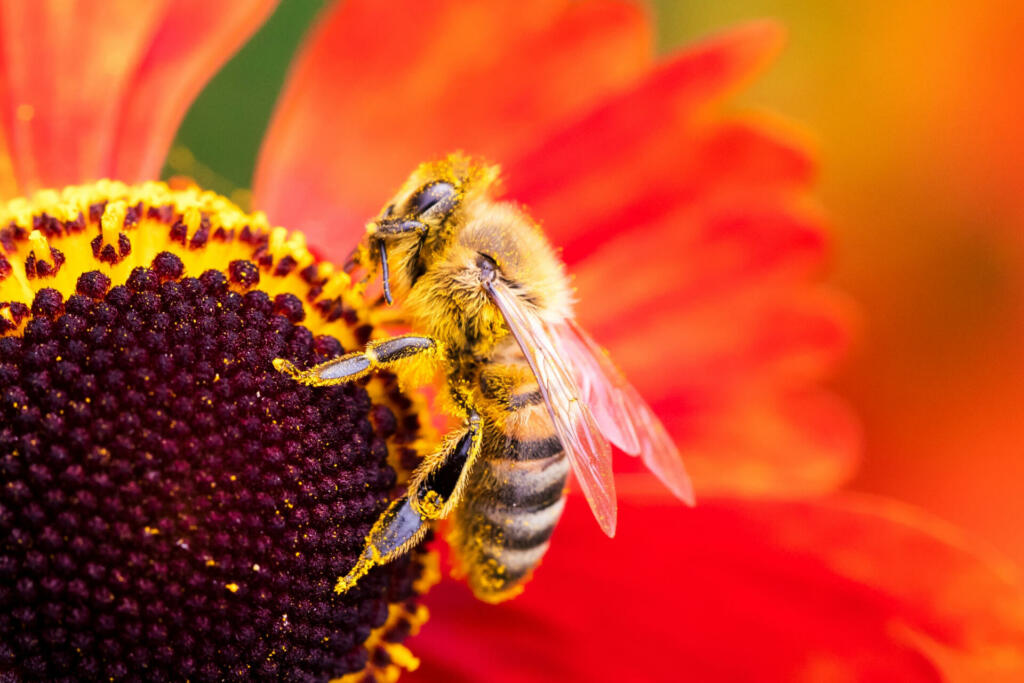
<point x="338" y="283"/>
<point x="233" y="587"/>
<point x="39" y="244"/>
<point x="276" y="242"/>
<point x="430" y="573"/>
<point x="113" y="220"/>
<point x="151" y="531"/>
<point x="192" y="218"/>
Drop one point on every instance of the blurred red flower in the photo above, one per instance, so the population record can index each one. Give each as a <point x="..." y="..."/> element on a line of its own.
<point x="918" y="119"/>
<point x="693" y="239"/>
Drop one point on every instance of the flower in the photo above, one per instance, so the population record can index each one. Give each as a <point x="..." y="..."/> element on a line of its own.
<point x="170" y="504"/>
<point x="685" y="227"/>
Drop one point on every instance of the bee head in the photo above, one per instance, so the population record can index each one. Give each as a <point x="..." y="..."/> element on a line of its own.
<point x="418" y="223"/>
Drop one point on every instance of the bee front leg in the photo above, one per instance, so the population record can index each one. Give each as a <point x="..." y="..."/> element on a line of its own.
<point x="435" y="489"/>
<point x="378" y="355"/>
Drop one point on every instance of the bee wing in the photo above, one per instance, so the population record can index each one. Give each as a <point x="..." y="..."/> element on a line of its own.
<point x="601" y="385"/>
<point x="621" y="413"/>
<point x="588" y="450"/>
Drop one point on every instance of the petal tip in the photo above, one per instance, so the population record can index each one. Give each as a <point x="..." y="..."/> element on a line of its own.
<point x="749" y="46"/>
<point x="763" y="37"/>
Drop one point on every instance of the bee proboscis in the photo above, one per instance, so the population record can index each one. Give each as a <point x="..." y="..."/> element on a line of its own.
<point x="490" y="301"/>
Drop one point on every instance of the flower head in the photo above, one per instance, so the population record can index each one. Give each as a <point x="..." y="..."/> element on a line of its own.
<point x="171" y="503"/>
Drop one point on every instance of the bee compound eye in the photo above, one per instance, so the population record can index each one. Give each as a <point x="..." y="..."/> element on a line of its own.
<point x="438" y="196"/>
<point x="488" y="267"/>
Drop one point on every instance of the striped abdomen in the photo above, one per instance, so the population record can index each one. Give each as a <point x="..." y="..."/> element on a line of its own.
<point x="516" y="491"/>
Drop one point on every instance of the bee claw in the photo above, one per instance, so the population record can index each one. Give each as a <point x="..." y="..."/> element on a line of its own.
<point x="285" y="366"/>
<point x="365" y="563"/>
<point x="344" y="583"/>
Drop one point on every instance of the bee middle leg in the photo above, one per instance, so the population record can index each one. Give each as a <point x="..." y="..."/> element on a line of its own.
<point x="352" y="366"/>
<point x="434" y="490"/>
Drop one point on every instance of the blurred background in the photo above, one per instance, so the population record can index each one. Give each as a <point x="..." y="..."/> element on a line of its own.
<point x="914" y="109"/>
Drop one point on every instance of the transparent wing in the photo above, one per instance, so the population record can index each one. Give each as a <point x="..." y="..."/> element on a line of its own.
<point x="621" y="413"/>
<point x="602" y="387"/>
<point x="588" y="450"/>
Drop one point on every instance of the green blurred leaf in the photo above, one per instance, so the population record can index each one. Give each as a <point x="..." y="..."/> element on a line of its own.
<point x="219" y="139"/>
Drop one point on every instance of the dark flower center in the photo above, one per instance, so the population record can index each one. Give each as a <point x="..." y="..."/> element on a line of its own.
<point x="171" y="507"/>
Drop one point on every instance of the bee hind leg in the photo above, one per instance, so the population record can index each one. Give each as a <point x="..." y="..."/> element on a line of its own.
<point x="436" y="487"/>
<point x="380" y="354"/>
<point x="393" y="534"/>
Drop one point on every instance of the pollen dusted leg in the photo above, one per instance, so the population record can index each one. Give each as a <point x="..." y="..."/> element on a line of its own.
<point x="437" y="484"/>
<point x="434" y="490"/>
<point x="377" y="356"/>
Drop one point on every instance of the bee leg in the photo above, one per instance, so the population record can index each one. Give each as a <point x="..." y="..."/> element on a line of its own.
<point x="393" y="534"/>
<point x="438" y="483"/>
<point x="435" y="489"/>
<point x="352" y="366"/>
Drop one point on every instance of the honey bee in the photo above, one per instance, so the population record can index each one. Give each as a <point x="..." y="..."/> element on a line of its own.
<point x="492" y="303"/>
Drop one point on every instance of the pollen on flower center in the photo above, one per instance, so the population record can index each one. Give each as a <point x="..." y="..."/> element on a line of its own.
<point x="170" y="504"/>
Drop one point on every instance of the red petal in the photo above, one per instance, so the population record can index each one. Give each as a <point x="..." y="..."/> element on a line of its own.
<point x="77" y="76"/>
<point x="734" y="379"/>
<point x="8" y="181"/>
<point x="779" y="444"/>
<point x="195" y="38"/>
<point x="849" y="590"/>
<point x="652" y="147"/>
<point x="381" y="88"/>
<point x="695" y="257"/>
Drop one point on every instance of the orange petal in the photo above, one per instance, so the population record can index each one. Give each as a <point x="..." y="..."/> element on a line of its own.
<point x="851" y="589"/>
<point x="78" y="75"/>
<point x="381" y="88"/>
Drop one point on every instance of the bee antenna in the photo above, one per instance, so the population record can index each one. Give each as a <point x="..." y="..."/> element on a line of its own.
<point x="384" y="273"/>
